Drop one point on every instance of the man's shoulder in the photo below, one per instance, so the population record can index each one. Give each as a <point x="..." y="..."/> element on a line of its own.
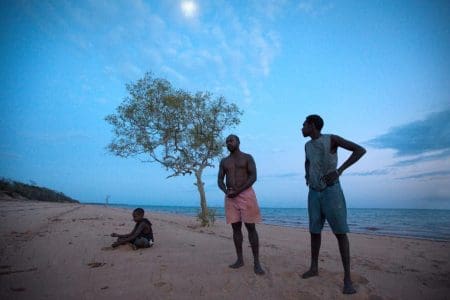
<point x="247" y="155"/>
<point x="224" y="159"/>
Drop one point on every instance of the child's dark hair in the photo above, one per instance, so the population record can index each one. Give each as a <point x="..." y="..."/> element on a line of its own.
<point x="139" y="211"/>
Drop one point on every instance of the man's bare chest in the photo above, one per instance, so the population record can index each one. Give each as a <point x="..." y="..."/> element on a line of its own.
<point x="234" y="164"/>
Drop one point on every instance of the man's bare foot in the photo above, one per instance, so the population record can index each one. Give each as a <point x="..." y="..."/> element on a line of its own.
<point x="310" y="273"/>
<point x="239" y="263"/>
<point x="348" y="287"/>
<point x="258" y="269"/>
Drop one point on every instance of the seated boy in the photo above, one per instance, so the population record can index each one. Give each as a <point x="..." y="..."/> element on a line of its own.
<point x="142" y="234"/>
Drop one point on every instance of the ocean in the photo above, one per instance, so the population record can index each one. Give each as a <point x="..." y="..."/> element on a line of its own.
<point x="431" y="224"/>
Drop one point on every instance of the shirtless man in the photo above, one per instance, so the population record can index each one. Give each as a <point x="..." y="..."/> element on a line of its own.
<point x="325" y="198"/>
<point x="240" y="200"/>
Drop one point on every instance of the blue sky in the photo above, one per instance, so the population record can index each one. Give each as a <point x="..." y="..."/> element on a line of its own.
<point x="378" y="72"/>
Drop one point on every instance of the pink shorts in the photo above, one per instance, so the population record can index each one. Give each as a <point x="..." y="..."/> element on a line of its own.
<point x="243" y="208"/>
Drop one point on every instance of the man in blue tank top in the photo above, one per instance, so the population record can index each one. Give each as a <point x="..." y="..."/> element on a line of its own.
<point x="325" y="197"/>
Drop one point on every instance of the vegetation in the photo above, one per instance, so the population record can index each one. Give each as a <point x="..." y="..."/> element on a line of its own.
<point x="210" y="217"/>
<point x="181" y="131"/>
<point x="32" y="192"/>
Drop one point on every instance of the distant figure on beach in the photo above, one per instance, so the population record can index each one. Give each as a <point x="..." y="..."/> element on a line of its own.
<point x="325" y="198"/>
<point x="142" y="234"/>
<point x="240" y="199"/>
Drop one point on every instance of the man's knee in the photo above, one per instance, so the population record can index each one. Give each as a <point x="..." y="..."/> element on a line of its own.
<point x="341" y="237"/>
<point x="250" y="226"/>
<point x="236" y="226"/>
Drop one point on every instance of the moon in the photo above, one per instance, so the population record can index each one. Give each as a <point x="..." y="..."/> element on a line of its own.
<point x="189" y="8"/>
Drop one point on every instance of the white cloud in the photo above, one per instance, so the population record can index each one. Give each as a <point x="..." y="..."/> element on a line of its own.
<point x="246" y="92"/>
<point x="172" y="73"/>
<point x="130" y="70"/>
<point x="272" y="9"/>
<point x="132" y="37"/>
<point x="314" y="7"/>
<point x="267" y="46"/>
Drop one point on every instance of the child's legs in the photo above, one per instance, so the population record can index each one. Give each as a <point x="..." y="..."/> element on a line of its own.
<point x="141" y="242"/>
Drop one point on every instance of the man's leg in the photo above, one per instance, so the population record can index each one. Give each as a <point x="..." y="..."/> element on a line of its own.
<point x="254" y="242"/>
<point x="316" y="240"/>
<point x="237" y="238"/>
<point x="344" y="249"/>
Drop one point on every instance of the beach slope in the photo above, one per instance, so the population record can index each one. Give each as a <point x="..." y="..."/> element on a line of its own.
<point x="61" y="251"/>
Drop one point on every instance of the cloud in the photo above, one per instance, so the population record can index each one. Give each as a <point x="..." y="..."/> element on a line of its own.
<point x="419" y="137"/>
<point x="272" y="9"/>
<point x="435" y="155"/>
<point x="172" y="73"/>
<point x="285" y="175"/>
<point x="132" y="37"/>
<point x="267" y="47"/>
<point x="314" y="7"/>
<point x="370" y="173"/>
<point x="277" y="150"/>
<point x="52" y="138"/>
<point x="10" y="156"/>
<point x="428" y="175"/>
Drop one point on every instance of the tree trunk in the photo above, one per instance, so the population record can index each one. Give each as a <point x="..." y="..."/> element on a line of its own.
<point x="203" y="216"/>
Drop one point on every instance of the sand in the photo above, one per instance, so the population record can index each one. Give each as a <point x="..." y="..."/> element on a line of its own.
<point x="61" y="251"/>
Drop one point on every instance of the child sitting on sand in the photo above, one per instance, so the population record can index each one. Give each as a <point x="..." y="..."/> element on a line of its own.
<point x="142" y="234"/>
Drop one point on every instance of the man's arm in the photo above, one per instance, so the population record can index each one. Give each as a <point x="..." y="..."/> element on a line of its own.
<point x="357" y="153"/>
<point x="307" y="171"/>
<point x="221" y="177"/>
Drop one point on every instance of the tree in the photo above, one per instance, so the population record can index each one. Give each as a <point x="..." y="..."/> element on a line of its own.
<point x="181" y="131"/>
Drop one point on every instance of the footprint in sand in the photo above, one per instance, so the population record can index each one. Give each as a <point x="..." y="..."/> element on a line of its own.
<point x="96" y="264"/>
<point x="167" y="286"/>
<point x="160" y="284"/>
<point x="360" y="279"/>
<point x="107" y="248"/>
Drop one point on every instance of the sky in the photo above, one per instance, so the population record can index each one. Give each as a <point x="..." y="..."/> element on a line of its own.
<point x="378" y="72"/>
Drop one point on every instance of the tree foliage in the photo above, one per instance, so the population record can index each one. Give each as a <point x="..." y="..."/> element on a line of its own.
<point x="181" y="131"/>
<point x="32" y="192"/>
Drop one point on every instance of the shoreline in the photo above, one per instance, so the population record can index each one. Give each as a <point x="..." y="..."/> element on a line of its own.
<point x="61" y="251"/>
<point x="288" y="225"/>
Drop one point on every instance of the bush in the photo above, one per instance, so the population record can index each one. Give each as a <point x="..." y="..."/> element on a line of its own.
<point x="210" y="217"/>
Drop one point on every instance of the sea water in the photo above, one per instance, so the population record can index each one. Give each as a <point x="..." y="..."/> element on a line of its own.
<point x="417" y="223"/>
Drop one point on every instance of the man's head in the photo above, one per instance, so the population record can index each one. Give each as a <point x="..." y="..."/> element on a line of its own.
<point x="232" y="142"/>
<point x="311" y="124"/>
<point x="138" y="214"/>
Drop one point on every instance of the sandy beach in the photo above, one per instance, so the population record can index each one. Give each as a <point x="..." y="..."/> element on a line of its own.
<point x="61" y="251"/>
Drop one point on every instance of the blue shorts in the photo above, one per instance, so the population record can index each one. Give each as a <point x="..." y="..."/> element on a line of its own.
<point x="328" y="204"/>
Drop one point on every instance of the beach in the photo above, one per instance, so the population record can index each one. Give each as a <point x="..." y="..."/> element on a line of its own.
<point x="62" y="251"/>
